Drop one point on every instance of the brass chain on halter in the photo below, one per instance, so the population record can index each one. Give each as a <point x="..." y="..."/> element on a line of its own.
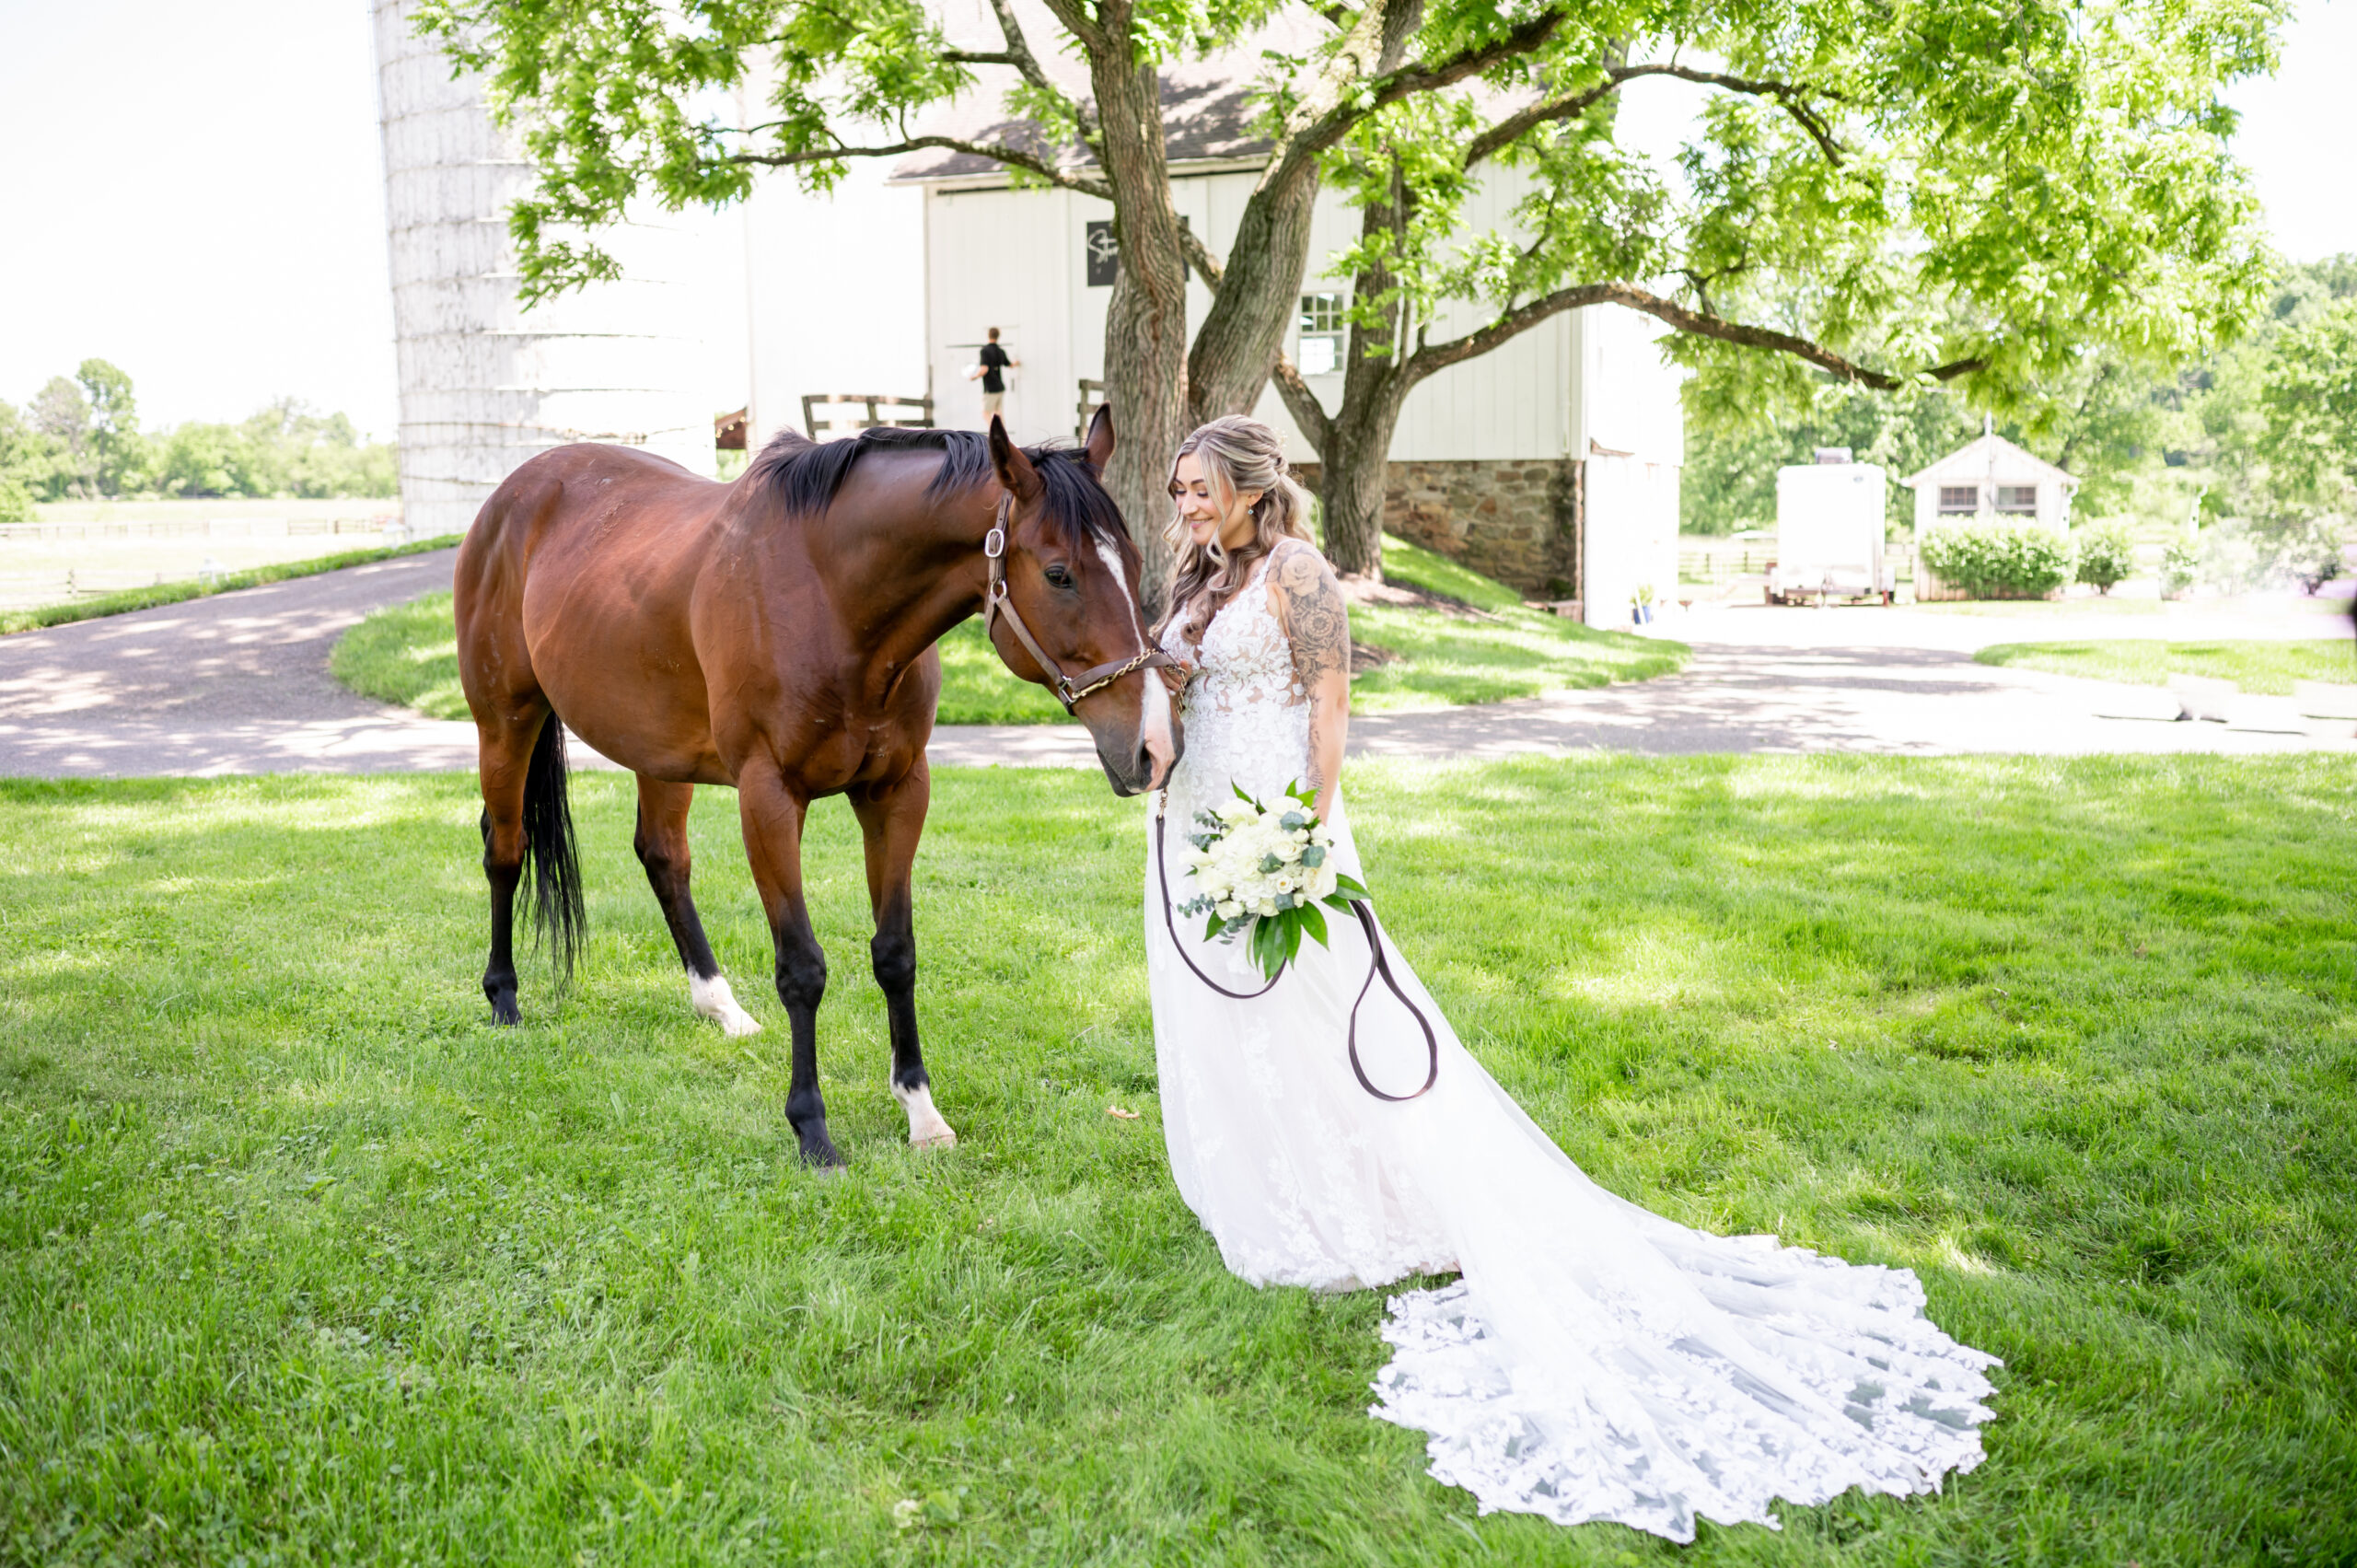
<point x="998" y="600"/>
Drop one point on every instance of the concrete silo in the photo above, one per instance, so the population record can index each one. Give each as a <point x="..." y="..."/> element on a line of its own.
<point x="485" y="384"/>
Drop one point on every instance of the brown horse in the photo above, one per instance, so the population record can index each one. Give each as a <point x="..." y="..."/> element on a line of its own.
<point x="777" y="634"/>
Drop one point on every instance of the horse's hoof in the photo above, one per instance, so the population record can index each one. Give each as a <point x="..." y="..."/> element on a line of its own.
<point x="505" y="1014"/>
<point x="926" y="1129"/>
<point x="713" y="1000"/>
<point x="819" y="1153"/>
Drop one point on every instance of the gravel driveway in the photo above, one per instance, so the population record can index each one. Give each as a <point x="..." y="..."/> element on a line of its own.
<point x="237" y="683"/>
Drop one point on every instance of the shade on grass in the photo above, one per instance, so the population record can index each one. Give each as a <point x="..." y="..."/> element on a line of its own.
<point x="2268" y="668"/>
<point x="301" y="1261"/>
<point x="409" y="654"/>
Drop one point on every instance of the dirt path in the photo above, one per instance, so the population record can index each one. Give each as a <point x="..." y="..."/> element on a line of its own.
<point x="237" y="683"/>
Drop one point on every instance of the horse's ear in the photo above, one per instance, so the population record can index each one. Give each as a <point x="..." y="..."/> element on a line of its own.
<point x="1014" y="470"/>
<point x="1098" y="447"/>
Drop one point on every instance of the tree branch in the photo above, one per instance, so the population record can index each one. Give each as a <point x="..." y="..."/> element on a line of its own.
<point x="1792" y="99"/>
<point x="1302" y="403"/>
<point x="1014" y="158"/>
<point x="1198" y="256"/>
<point x="1331" y="125"/>
<point x="1440" y="356"/>
<point x="1018" y="54"/>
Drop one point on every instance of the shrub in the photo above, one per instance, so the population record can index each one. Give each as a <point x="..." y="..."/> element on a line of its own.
<point x="1999" y="560"/>
<point x="2180" y="567"/>
<point x="2106" y="555"/>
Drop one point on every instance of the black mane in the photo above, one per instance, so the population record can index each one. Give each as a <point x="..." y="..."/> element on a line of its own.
<point x="807" y="475"/>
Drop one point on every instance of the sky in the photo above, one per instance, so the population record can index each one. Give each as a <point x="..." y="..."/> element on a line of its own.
<point x="194" y="192"/>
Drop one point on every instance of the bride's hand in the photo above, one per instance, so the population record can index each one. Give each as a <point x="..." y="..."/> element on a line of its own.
<point x="1176" y="675"/>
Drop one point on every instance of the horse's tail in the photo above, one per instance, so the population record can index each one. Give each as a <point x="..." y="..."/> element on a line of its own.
<point x="552" y="886"/>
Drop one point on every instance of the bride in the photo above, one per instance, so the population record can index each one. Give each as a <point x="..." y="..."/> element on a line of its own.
<point x="1594" y="1362"/>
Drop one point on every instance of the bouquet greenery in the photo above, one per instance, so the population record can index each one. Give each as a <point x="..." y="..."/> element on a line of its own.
<point x="1261" y="876"/>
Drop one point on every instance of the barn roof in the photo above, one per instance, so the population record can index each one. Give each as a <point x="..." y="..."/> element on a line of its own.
<point x="1994" y="458"/>
<point x="1208" y="107"/>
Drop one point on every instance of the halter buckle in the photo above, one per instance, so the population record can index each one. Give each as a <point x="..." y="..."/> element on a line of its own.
<point x="994" y="542"/>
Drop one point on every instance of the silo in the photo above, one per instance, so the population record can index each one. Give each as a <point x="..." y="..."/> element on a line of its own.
<point x="485" y="383"/>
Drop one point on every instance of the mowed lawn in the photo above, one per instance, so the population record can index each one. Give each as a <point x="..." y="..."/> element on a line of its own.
<point x="300" y="1261"/>
<point x="2267" y="667"/>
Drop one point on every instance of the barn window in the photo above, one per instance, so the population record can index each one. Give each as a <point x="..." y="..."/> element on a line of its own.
<point x="1959" y="498"/>
<point x="2017" y="498"/>
<point x="1321" y="333"/>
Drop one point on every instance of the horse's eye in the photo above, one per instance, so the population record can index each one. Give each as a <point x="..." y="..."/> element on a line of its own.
<point x="1058" y="578"/>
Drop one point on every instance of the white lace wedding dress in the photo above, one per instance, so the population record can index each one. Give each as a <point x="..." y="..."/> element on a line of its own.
<point x="1594" y="1362"/>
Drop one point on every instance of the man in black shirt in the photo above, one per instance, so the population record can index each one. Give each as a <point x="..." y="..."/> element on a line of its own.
<point x="994" y="361"/>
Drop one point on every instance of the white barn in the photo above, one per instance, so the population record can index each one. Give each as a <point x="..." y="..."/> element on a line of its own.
<point x="1990" y="479"/>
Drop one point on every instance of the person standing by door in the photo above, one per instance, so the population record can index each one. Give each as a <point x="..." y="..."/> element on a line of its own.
<point x="993" y="369"/>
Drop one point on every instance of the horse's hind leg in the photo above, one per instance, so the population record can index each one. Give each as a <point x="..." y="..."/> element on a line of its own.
<point x="890" y="820"/>
<point x="504" y="755"/>
<point x="662" y="844"/>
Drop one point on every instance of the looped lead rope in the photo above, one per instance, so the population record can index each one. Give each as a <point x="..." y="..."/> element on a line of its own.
<point x="1379" y="966"/>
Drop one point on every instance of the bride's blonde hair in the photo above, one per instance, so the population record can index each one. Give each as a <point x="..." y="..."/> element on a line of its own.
<point x="1239" y="455"/>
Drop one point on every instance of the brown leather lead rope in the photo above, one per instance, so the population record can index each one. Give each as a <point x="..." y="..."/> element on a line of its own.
<point x="1380" y="966"/>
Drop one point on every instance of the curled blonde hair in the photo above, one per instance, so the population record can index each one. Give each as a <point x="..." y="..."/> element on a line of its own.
<point x="1239" y="454"/>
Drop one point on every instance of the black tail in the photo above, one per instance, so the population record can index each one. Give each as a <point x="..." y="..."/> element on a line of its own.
<point x="552" y="887"/>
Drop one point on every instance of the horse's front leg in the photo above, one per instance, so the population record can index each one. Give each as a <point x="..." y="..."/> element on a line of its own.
<point x="891" y="818"/>
<point x="772" y="816"/>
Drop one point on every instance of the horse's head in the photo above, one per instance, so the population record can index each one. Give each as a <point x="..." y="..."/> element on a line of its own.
<point x="1063" y="611"/>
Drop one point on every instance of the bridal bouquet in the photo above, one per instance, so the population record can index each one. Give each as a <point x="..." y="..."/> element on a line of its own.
<point x="1262" y="874"/>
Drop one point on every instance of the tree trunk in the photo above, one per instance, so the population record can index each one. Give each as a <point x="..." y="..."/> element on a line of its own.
<point x="1258" y="294"/>
<point x="1146" y="323"/>
<point x="1356" y="463"/>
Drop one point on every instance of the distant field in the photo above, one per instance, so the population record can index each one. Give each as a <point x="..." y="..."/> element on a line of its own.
<point x="79" y="549"/>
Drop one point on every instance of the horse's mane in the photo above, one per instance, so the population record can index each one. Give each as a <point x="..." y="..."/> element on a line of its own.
<point x="807" y="475"/>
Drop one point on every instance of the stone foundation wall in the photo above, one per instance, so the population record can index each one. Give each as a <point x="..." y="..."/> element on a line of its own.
<point x="1515" y="520"/>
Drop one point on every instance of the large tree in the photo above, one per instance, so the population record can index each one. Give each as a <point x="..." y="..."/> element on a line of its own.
<point x="622" y="99"/>
<point x="2014" y="200"/>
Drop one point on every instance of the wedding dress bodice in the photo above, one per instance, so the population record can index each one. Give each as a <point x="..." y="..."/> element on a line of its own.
<point x="1244" y="714"/>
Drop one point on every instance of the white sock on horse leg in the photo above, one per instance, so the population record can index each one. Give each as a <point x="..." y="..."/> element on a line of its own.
<point x="712" y="999"/>
<point x="926" y="1129"/>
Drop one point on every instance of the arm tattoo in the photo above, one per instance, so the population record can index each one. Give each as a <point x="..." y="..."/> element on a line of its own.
<point x="1317" y="620"/>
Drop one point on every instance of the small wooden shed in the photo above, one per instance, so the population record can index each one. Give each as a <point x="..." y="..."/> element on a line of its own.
<point x="1990" y="479"/>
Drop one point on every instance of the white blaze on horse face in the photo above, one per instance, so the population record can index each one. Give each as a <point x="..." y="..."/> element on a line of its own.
<point x="711" y="998"/>
<point x="1153" y="703"/>
<point x="926" y="1129"/>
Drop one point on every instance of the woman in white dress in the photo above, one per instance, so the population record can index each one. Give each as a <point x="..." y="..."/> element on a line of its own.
<point x="1594" y="1362"/>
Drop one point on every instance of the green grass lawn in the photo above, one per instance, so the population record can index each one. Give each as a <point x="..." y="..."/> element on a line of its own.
<point x="408" y="654"/>
<point x="300" y="1261"/>
<point x="2260" y="667"/>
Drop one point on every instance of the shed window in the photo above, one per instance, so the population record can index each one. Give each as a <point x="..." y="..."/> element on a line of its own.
<point x="1321" y="333"/>
<point x="1959" y="498"/>
<point x="2018" y="498"/>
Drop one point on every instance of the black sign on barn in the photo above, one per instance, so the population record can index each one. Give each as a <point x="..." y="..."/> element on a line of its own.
<point x="1104" y="254"/>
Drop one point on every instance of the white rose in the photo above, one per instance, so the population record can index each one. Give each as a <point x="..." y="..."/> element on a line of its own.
<point x="1323" y="881"/>
<point x="1228" y="909"/>
<point x="1268" y="909"/>
<point x="1283" y="883"/>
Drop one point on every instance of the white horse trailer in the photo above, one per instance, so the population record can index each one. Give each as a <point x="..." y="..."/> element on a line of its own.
<point x="1829" y="534"/>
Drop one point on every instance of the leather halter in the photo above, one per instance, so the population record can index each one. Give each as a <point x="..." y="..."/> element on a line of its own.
<point x="997" y="600"/>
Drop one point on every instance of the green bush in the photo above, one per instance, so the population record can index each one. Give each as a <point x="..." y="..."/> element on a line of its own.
<point x="2106" y="555"/>
<point x="1999" y="560"/>
<point x="2181" y="568"/>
